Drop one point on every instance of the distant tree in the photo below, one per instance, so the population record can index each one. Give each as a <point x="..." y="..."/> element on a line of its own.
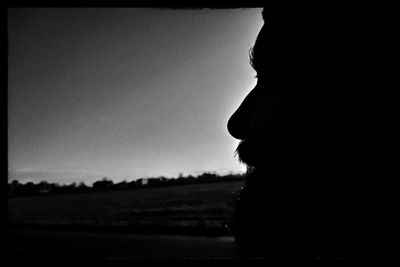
<point x="71" y="188"/>
<point x="163" y="179"/>
<point x="143" y="181"/>
<point x="44" y="187"/>
<point x="154" y="181"/>
<point x="13" y="188"/>
<point x="133" y="184"/>
<point x="207" y="176"/>
<point x="103" y="183"/>
<point x="121" y="185"/>
<point x="30" y="189"/>
<point x="82" y="185"/>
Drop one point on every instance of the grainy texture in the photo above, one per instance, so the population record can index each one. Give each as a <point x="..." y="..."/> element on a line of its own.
<point x="199" y="208"/>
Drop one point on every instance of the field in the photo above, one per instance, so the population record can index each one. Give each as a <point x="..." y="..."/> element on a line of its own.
<point x="201" y="209"/>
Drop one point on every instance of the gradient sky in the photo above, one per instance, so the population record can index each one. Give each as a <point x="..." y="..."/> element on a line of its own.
<point x="125" y="93"/>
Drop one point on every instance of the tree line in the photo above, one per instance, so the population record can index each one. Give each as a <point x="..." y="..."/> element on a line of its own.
<point x="17" y="189"/>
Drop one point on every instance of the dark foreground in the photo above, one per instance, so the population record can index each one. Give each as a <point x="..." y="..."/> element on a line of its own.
<point x="55" y="247"/>
<point x="44" y="245"/>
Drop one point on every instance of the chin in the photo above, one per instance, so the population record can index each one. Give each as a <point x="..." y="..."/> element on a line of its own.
<point x="247" y="153"/>
<point x="254" y="154"/>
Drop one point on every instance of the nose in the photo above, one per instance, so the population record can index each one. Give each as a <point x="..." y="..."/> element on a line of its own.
<point x="240" y="123"/>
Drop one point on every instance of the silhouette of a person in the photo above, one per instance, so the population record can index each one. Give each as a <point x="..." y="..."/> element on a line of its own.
<point x="316" y="137"/>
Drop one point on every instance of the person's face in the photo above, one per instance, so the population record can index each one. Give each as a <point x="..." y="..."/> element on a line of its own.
<point x="280" y="122"/>
<point x="250" y="123"/>
<point x="261" y="121"/>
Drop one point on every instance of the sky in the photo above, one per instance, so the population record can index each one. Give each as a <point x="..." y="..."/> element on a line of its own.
<point x="125" y="93"/>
